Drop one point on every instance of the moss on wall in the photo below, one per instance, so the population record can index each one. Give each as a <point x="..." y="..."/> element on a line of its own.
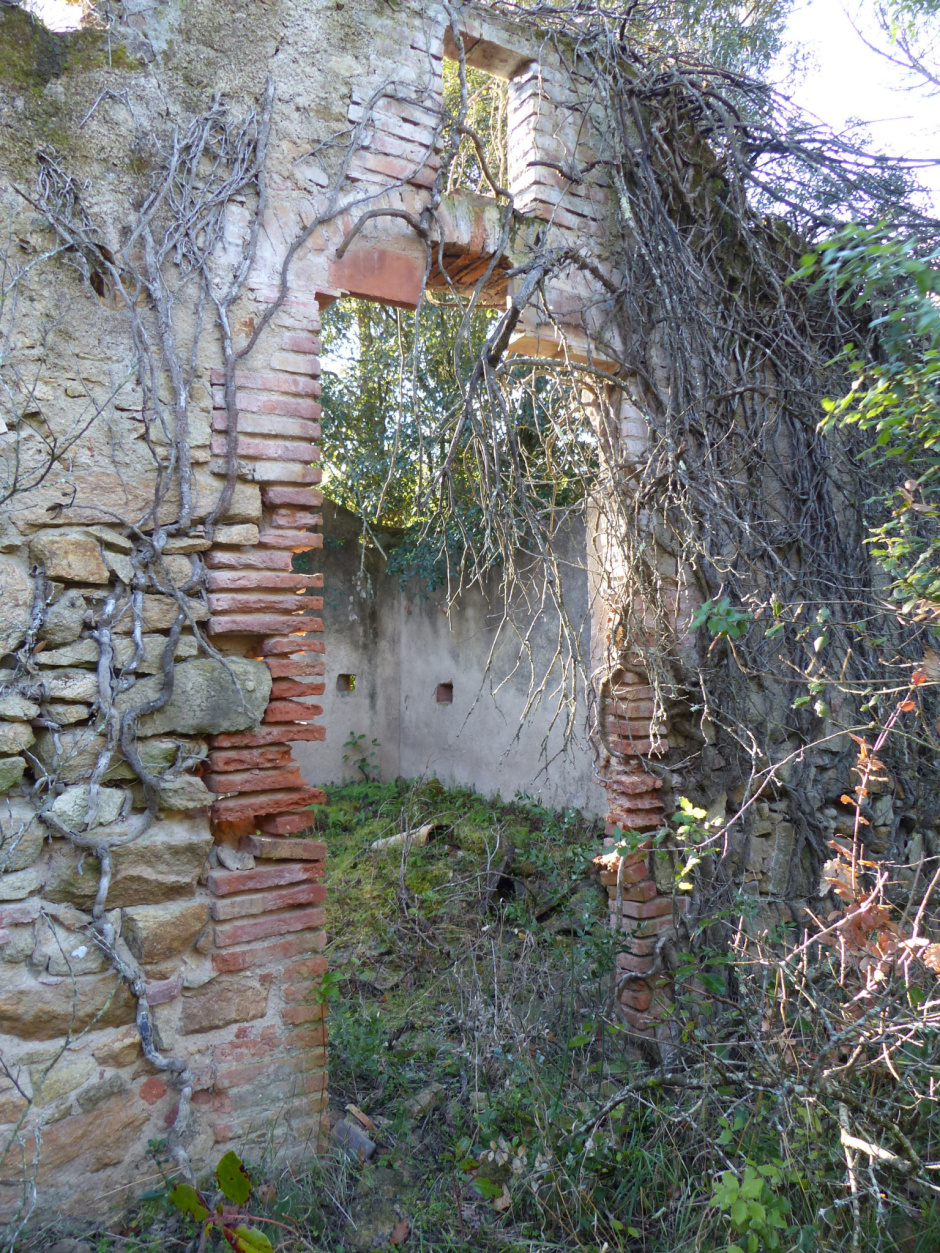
<point x="31" y="55"/>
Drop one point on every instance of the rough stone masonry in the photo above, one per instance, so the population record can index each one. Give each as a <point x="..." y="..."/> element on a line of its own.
<point x="183" y="183"/>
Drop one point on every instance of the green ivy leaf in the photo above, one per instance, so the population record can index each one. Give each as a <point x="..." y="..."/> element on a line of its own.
<point x="488" y="1189"/>
<point x="233" y="1178"/>
<point x="251" y="1240"/>
<point x="187" y="1201"/>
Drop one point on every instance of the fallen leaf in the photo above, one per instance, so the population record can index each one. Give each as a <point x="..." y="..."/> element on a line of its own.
<point x="400" y="1232"/>
<point x="503" y="1202"/>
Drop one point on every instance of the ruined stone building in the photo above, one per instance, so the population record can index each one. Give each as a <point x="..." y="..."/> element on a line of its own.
<point x="183" y="185"/>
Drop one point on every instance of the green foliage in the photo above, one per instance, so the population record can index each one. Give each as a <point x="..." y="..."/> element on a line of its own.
<point x="236" y="1187"/>
<point x="233" y="1179"/>
<point x="756" y="1213"/>
<point x="721" y="618"/>
<point x="358" y="754"/>
<point x="891" y="282"/>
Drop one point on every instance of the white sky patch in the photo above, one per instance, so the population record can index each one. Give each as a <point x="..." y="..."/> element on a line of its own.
<point x="58" y="15"/>
<point x="846" y="81"/>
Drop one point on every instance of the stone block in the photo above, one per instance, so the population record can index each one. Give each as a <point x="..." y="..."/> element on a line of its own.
<point x="122" y="1048"/>
<point x="209" y="696"/>
<point x="16" y="708"/>
<point x="227" y="999"/>
<point x="18" y="885"/>
<point x="71" y="807"/>
<point x="67" y="714"/>
<point x="71" y="556"/>
<point x="64" y="619"/>
<point x="156" y="932"/>
<point x="15" y="737"/>
<point x="68" y="685"/>
<point x="103" y="1137"/>
<point x="186" y="792"/>
<point x="21" y="834"/>
<point x="67" y="1074"/>
<point x="163" y="863"/>
<point x="11" y="771"/>
<point x="16" y="596"/>
<point x="34" y="1010"/>
<point x="244" y="533"/>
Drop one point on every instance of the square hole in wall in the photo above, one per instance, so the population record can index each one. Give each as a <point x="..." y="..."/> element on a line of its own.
<point x="445" y="693"/>
<point x="345" y="683"/>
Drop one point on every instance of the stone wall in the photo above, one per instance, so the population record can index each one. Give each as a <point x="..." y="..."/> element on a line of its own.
<point x="161" y="911"/>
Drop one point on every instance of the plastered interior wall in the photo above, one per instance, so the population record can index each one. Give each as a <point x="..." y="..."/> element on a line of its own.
<point x="400" y="645"/>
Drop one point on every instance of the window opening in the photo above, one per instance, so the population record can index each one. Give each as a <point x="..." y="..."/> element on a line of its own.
<point x="486" y="114"/>
<point x="345" y="683"/>
<point x="445" y="693"/>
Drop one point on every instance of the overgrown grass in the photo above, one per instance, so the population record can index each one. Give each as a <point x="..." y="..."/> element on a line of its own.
<point x="473" y="975"/>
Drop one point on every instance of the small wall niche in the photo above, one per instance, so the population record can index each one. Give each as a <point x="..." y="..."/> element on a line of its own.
<point x="445" y="694"/>
<point x="345" y="683"/>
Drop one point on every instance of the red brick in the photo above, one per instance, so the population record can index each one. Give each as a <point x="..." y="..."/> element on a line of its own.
<point x="243" y="931"/>
<point x="296" y="541"/>
<point x="274" y="424"/>
<point x="638" y="964"/>
<point x="631" y="748"/>
<point x="247" y="904"/>
<point x="294" y="710"/>
<point x="309" y="968"/>
<point x="631" y="784"/>
<point x="296" y="342"/>
<point x="239" y="559"/>
<point x="630" y="874"/>
<point x="263" y="602"/>
<point x="283" y="668"/>
<point x="298" y="518"/>
<point x="274" y="403"/>
<point x="223" y="1131"/>
<point x="254" y="804"/>
<point x="261" y="624"/>
<point x="637" y="995"/>
<point x="225" y="882"/>
<point x="268" y="735"/>
<point x="302" y="1013"/>
<point x="271" y="849"/>
<point x="254" y="780"/>
<point x="303" y="1037"/>
<point x="305" y="497"/>
<point x="296" y="362"/>
<point x="251" y="580"/>
<point x="153" y="1090"/>
<point x="289" y="384"/>
<point x="23" y="911"/>
<point x="653" y="907"/>
<point x="232" y="960"/>
<point x="228" y="1077"/>
<point x="635" y="893"/>
<point x="290" y="687"/>
<point x="249" y="758"/>
<point x="285" y="824"/>
<point x="299" y="993"/>
<point x="292" y="644"/>
<point x="267" y="449"/>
